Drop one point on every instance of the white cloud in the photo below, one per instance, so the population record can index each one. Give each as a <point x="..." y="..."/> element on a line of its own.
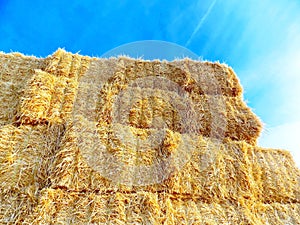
<point x="286" y="137"/>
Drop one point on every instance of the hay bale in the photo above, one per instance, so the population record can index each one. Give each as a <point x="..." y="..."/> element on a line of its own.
<point x="18" y="68"/>
<point x="228" y="170"/>
<point x="60" y="206"/>
<point x="278" y="176"/>
<point x="126" y="141"/>
<point x="15" y="72"/>
<point x="49" y="96"/>
<point x="46" y="99"/>
<point x="26" y="153"/>
<point x="65" y="64"/>
<point x="215" y="109"/>
<point x="188" y="72"/>
<point x="37" y="97"/>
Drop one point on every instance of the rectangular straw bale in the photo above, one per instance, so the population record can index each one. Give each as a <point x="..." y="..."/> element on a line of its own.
<point x="37" y="98"/>
<point x="214" y="112"/>
<point x="204" y="77"/>
<point x="61" y="64"/>
<point x="230" y="114"/>
<point x="61" y="206"/>
<point x="230" y="170"/>
<point x="72" y="171"/>
<point x="214" y="78"/>
<point x="279" y="177"/>
<point x="211" y="78"/>
<point x="217" y="172"/>
<point x="213" y="172"/>
<point x="17" y="68"/>
<point x="90" y="85"/>
<point x="47" y="99"/>
<point x="15" y="72"/>
<point x="66" y="64"/>
<point x="26" y="154"/>
<point x="50" y="94"/>
<point x="58" y="205"/>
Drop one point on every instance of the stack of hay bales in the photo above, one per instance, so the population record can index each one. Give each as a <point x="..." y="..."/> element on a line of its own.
<point x="54" y="110"/>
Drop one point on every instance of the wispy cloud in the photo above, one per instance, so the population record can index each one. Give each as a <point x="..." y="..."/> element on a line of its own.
<point x="202" y="20"/>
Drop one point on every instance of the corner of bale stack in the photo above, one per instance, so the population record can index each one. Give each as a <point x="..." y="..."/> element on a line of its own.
<point x="15" y="72"/>
<point x="220" y="177"/>
<point x="50" y="92"/>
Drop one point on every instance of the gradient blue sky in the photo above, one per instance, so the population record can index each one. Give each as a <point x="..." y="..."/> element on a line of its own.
<point x="260" y="39"/>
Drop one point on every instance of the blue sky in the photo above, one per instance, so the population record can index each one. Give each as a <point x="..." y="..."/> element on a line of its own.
<point x="260" y="39"/>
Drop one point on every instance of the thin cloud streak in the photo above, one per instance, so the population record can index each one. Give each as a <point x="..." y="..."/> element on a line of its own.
<point x="201" y="23"/>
